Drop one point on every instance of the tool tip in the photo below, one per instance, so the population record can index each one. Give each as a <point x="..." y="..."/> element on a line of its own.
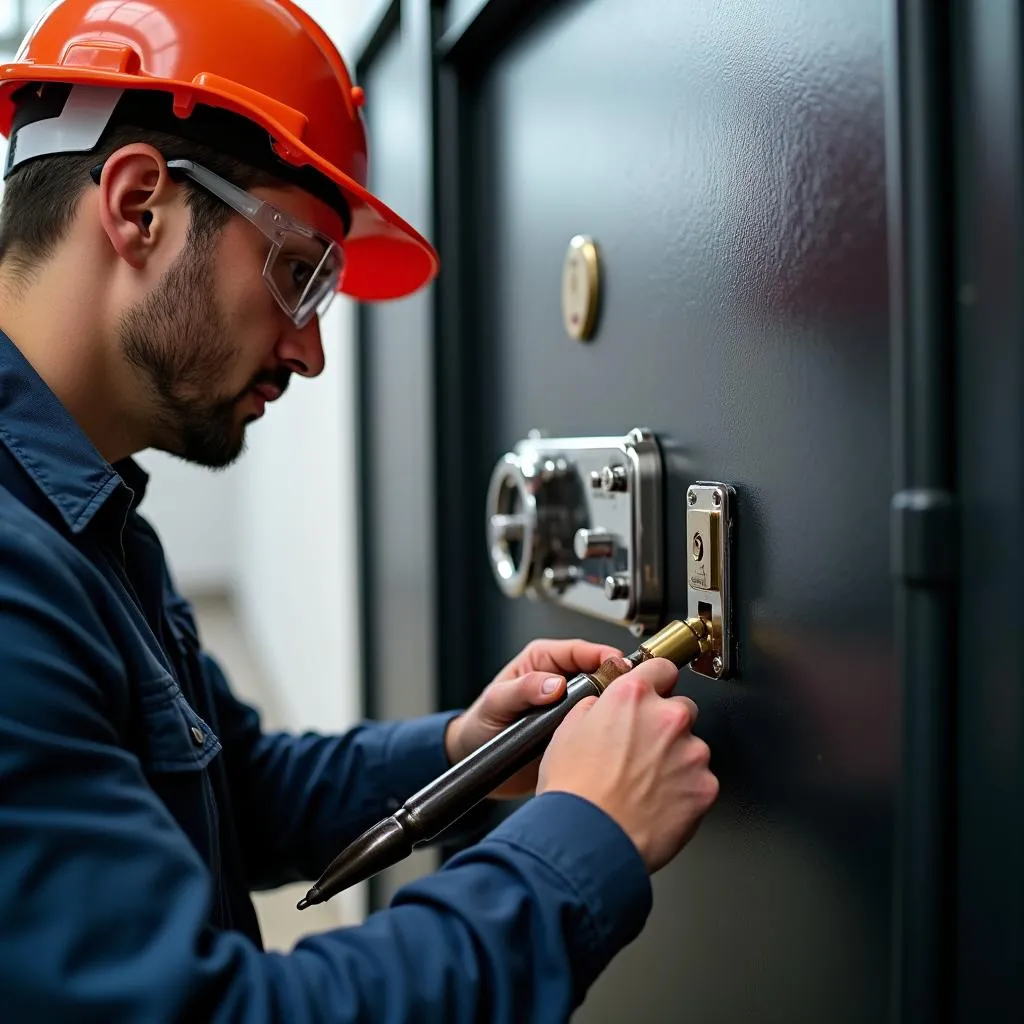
<point x="311" y="898"/>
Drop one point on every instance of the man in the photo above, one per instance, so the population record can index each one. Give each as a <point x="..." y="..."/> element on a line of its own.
<point x="183" y="196"/>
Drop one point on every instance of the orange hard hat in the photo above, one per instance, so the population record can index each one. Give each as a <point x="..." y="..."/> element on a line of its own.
<point x="266" y="61"/>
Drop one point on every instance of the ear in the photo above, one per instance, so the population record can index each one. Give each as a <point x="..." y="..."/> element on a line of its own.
<point x="136" y="197"/>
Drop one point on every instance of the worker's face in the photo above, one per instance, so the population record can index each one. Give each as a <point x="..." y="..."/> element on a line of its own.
<point x="213" y="342"/>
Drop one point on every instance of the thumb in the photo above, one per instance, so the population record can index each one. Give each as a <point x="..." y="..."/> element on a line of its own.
<point x="507" y="700"/>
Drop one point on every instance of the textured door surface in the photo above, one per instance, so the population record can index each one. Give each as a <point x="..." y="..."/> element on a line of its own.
<point x="729" y="158"/>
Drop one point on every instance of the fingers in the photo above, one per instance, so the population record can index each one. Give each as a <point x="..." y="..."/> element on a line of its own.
<point x="691" y="707"/>
<point x="658" y="673"/>
<point x="578" y="711"/>
<point x="566" y="657"/>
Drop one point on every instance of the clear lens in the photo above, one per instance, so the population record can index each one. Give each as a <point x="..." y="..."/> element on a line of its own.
<point x="304" y="273"/>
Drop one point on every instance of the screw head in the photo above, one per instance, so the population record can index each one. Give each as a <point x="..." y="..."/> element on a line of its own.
<point x="716" y="498"/>
<point x="613" y="478"/>
<point x="691" y="497"/>
<point x="717" y="664"/>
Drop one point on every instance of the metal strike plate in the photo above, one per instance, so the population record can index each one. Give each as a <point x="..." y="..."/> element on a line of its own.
<point x="577" y="521"/>
<point x="709" y="533"/>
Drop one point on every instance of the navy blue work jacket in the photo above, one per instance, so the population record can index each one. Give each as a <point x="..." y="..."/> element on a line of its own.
<point x="141" y="803"/>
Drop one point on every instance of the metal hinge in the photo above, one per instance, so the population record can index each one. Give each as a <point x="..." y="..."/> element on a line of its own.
<point x="925" y="537"/>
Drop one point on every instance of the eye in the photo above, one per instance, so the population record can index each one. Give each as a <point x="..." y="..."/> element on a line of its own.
<point x="302" y="272"/>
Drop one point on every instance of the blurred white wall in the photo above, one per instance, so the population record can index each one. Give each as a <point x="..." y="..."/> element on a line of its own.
<point x="196" y="513"/>
<point x="297" y="566"/>
<point x="296" y="570"/>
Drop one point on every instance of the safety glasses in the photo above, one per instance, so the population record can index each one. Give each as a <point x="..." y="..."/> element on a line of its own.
<point x="303" y="268"/>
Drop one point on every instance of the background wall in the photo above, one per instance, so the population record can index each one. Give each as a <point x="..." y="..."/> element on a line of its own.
<point x="196" y="513"/>
<point x="295" y="572"/>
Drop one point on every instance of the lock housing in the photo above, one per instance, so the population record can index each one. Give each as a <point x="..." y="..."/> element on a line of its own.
<point x="578" y="522"/>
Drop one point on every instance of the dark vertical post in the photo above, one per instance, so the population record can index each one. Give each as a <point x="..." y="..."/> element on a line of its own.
<point x="924" y="506"/>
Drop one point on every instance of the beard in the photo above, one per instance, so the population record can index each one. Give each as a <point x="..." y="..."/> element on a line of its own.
<point x="178" y="338"/>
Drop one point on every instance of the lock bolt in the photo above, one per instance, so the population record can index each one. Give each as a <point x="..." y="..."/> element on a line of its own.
<point x="593" y="544"/>
<point x="559" y="577"/>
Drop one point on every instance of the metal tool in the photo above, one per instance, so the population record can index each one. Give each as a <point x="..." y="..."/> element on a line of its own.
<point x="426" y="814"/>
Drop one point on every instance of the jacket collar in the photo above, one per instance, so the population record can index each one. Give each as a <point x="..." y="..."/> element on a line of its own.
<point x="53" y="449"/>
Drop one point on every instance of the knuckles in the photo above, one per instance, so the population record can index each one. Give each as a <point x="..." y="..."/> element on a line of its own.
<point x="533" y="648"/>
<point x="677" y="716"/>
<point x="660" y="675"/>
<point x="630" y="689"/>
<point x="707" y="790"/>
<point x="700" y="752"/>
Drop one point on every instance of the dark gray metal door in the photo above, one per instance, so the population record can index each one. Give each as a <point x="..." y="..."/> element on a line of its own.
<point x="730" y="160"/>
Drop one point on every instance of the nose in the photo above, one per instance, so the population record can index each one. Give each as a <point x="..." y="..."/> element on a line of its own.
<point x="302" y="351"/>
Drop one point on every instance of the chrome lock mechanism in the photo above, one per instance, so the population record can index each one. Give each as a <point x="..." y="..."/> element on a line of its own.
<point x="578" y="521"/>
<point x="709" y="535"/>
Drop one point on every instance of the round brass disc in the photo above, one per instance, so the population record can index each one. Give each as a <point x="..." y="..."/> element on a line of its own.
<point x="581" y="288"/>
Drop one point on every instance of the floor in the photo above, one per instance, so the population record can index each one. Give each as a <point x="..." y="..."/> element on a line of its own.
<point x="222" y="635"/>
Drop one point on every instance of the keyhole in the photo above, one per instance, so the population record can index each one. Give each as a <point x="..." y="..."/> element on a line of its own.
<point x="698" y="547"/>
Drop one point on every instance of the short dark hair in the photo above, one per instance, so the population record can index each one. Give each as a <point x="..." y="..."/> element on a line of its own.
<point x="41" y="198"/>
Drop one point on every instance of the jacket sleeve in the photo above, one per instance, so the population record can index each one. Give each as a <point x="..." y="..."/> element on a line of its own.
<point x="105" y="904"/>
<point x="297" y="800"/>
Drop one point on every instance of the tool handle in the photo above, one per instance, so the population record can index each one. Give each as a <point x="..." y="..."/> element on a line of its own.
<point x="442" y="802"/>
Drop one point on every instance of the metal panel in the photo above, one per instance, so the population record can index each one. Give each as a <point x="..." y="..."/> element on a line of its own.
<point x="924" y="535"/>
<point x="730" y="160"/>
<point x="990" y="376"/>
<point x="397" y="408"/>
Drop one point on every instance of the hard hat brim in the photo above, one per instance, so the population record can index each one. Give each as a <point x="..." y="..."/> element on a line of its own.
<point x="386" y="258"/>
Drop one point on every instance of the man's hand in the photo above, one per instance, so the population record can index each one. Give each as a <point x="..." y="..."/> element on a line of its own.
<point x="535" y="678"/>
<point x="633" y="754"/>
